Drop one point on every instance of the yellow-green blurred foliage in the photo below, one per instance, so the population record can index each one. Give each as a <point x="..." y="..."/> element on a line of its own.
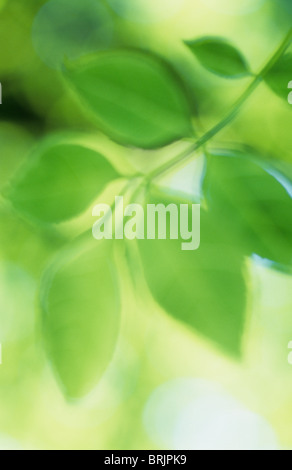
<point x="166" y="385"/>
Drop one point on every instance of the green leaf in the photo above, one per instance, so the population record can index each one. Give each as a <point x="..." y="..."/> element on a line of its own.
<point x="219" y="57"/>
<point x="59" y="181"/>
<point x="80" y="305"/>
<point x="253" y="202"/>
<point x="135" y="97"/>
<point x="70" y="28"/>
<point x="280" y="75"/>
<point x="204" y="289"/>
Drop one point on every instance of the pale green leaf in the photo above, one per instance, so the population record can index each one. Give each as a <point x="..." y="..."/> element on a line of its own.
<point x="59" y="181"/>
<point x="81" y="315"/>
<point x="204" y="289"/>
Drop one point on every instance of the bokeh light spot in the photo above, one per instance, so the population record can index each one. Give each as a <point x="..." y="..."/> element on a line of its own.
<point x="197" y="414"/>
<point x="231" y="7"/>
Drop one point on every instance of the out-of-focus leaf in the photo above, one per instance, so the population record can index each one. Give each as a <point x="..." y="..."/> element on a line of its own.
<point x="135" y="97"/>
<point x="252" y="202"/>
<point x="59" y="181"/>
<point x="280" y="75"/>
<point x="220" y="57"/>
<point x="70" y="29"/>
<point x="204" y="289"/>
<point x="80" y="306"/>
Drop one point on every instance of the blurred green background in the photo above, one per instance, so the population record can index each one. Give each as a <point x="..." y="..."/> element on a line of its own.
<point x="166" y="386"/>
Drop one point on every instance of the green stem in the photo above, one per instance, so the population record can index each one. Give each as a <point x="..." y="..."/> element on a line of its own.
<point x="229" y="117"/>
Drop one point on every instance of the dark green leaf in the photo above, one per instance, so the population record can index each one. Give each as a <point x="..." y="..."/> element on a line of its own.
<point x="252" y="202"/>
<point x="204" y="289"/>
<point x="220" y="57"/>
<point x="135" y="97"/>
<point x="80" y="304"/>
<point x="59" y="181"/>
<point x="279" y="77"/>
